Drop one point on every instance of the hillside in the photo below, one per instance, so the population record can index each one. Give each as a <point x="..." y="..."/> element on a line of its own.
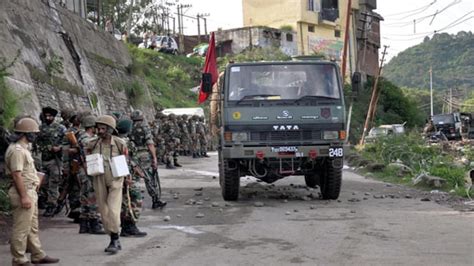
<point x="451" y="56"/>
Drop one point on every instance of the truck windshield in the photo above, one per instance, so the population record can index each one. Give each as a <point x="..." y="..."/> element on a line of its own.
<point x="283" y="82"/>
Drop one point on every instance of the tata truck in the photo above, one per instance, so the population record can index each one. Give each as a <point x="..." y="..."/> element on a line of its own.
<point x="280" y="119"/>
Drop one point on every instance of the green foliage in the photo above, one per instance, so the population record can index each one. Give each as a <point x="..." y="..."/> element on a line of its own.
<point x="8" y="99"/>
<point x="255" y="54"/>
<point x="286" y="28"/>
<point x="102" y="60"/>
<point x="393" y="107"/>
<point x="55" y="66"/>
<point x="450" y="56"/>
<point x="412" y="151"/>
<point x="169" y="77"/>
<point x="136" y="93"/>
<point x="55" y="81"/>
<point x="468" y="104"/>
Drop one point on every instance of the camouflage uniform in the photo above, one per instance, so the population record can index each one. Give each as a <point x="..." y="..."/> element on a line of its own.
<point x="141" y="137"/>
<point x="194" y="136"/>
<point x="185" y="136"/>
<point x="171" y="136"/>
<point x="156" y="129"/>
<point x="51" y="135"/>
<point x="132" y="199"/>
<point x="89" y="216"/>
<point x="203" y="131"/>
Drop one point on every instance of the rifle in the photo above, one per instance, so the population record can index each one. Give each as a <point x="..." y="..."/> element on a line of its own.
<point x="152" y="180"/>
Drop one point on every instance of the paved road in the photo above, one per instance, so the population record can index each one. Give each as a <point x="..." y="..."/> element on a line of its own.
<point x="292" y="226"/>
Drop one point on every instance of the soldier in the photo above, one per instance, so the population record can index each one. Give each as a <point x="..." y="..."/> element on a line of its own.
<point x="72" y="158"/>
<point x="185" y="136"/>
<point x="88" y="217"/>
<point x="132" y="199"/>
<point x="158" y="138"/>
<point x="23" y="196"/>
<point x="145" y="154"/>
<point x="194" y="136"/>
<point x="108" y="189"/>
<point x="203" y="131"/>
<point x="49" y="142"/>
<point x="170" y="134"/>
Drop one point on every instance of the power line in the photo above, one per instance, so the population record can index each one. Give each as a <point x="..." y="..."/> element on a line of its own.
<point x="423" y="8"/>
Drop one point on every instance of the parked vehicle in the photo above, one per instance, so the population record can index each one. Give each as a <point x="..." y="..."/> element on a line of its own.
<point x="279" y="119"/>
<point x="385" y="131"/>
<point x="467" y="125"/>
<point x="449" y="124"/>
<point x="166" y="44"/>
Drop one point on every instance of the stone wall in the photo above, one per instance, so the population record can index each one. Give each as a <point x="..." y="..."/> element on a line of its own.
<point x="92" y="63"/>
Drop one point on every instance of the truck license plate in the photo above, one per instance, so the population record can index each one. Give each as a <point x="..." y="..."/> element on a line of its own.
<point x="335" y="152"/>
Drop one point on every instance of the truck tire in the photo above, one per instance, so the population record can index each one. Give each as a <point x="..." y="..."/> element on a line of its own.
<point x="229" y="181"/>
<point x="331" y="181"/>
<point x="312" y="180"/>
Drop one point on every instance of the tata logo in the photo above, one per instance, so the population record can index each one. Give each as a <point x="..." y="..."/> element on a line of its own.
<point x="285" y="127"/>
<point x="285" y="113"/>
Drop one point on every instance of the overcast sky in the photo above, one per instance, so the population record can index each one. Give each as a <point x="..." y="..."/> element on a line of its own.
<point x="397" y="29"/>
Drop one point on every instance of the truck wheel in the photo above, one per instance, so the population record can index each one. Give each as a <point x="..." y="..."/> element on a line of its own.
<point x="331" y="181"/>
<point x="229" y="181"/>
<point x="312" y="180"/>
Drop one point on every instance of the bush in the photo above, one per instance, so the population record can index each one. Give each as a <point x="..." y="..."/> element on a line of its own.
<point x="8" y="99"/>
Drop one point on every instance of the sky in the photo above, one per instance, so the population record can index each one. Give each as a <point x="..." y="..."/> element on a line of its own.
<point x="397" y="29"/>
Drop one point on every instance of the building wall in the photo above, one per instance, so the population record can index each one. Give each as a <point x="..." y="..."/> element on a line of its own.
<point x="296" y="14"/>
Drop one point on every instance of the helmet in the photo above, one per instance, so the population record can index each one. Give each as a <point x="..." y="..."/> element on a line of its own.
<point x="185" y="117"/>
<point x="106" y="120"/>
<point x="137" y="115"/>
<point x="172" y="116"/>
<point x="195" y="117"/>
<point x="88" y="121"/>
<point x="124" y="126"/>
<point x="26" y="125"/>
<point x="117" y="115"/>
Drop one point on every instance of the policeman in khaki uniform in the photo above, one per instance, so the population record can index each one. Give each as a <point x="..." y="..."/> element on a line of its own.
<point x="108" y="189"/>
<point x="23" y="196"/>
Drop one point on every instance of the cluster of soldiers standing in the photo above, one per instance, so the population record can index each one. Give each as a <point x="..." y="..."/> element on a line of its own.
<point x="179" y="135"/>
<point x="102" y="204"/>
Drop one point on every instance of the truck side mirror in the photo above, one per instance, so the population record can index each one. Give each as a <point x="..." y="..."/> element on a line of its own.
<point x="206" y="82"/>
<point x="356" y="82"/>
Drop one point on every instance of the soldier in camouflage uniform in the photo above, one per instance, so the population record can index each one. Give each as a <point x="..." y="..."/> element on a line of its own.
<point x="49" y="141"/>
<point x="194" y="136"/>
<point x="89" y="216"/>
<point x="203" y="131"/>
<point x="145" y="153"/>
<point x="72" y="158"/>
<point x="185" y="136"/>
<point x="171" y="136"/>
<point x="132" y="199"/>
<point x="157" y="128"/>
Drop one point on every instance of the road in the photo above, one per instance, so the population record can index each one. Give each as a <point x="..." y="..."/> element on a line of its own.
<point x="373" y="223"/>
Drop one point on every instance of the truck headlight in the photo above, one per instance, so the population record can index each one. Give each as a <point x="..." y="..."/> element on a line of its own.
<point x="332" y="134"/>
<point x="240" y="136"/>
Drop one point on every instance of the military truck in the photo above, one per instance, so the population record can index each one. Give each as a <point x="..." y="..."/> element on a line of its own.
<point x="278" y="119"/>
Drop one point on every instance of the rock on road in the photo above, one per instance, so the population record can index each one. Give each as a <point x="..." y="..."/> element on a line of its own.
<point x="372" y="223"/>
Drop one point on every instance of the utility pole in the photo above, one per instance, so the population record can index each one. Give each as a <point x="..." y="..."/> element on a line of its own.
<point x="373" y="99"/>
<point x="199" y="28"/>
<point x="431" y="90"/>
<point x="181" y="26"/>
<point x="205" y="25"/>
<point x="450" y="100"/>
<point x="346" y="39"/>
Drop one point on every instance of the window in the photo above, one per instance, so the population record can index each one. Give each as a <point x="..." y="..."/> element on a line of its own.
<point x="337" y="33"/>
<point x="329" y="10"/>
<point x="289" y="37"/>
<point x="310" y="5"/>
<point x="310" y="28"/>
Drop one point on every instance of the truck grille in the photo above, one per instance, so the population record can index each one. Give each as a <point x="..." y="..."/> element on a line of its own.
<point x="285" y="136"/>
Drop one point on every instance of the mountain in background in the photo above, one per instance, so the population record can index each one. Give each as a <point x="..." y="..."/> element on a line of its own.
<point x="452" y="59"/>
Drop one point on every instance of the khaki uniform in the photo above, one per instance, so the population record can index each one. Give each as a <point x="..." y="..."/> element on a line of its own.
<point x="25" y="221"/>
<point x="108" y="190"/>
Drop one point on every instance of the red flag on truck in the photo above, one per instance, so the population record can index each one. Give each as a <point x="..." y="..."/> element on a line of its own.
<point x="210" y="66"/>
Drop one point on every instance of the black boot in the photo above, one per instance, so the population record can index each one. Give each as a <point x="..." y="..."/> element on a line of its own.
<point x="49" y="211"/>
<point x="175" y="161"/>
<point x="194" y="155"/>
<point x="204" y="154"/>
<point x="84" y="226"/>
<point x="130" y="229"/>
<point x="114" y="245"/>
<point x="157" y="203"/>
<point x="95" y="227"/>
<point x="169" y="165"/>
